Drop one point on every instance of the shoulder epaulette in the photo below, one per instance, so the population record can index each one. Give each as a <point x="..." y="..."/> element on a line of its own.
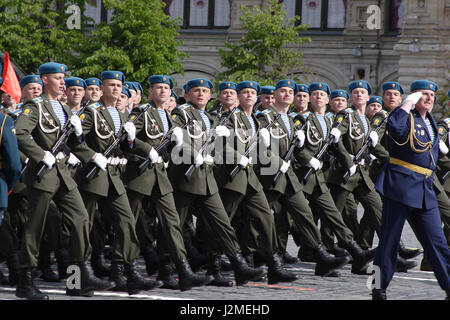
<point x="329" y="114"/>
<point x="38" y="99"/>
<point x="19" y="105"/>
<point x="292" y="114"/>
<point x="94" y="105"/>
<point x="184" y="106"/>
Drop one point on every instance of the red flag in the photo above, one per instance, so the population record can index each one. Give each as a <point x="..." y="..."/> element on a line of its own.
<point x="10" y="82"/>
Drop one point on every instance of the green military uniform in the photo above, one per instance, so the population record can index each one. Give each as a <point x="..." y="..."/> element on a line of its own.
<point x="443" y="167"/>
<point x="99" y="132"/>
<point x="38" y="128"/>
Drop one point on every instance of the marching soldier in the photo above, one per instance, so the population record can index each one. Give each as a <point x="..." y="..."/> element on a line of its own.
<point x="31" y="86"/>
<point x="201" y="189"/>
<point x="301" y="98"/>
<point x="288" y="190"/>
<point x="102" y="124"/>
<point x="266" y="98"/>
<point x="413" y="146"/>
<point x="38" y="127"/>
<point x="93" y="92"/>
<point x="151" y="128"/>
<point x="122" y="101"/>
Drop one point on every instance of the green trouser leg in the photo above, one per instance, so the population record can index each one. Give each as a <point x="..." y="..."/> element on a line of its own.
<point x="165" y="210"/>
<point x="326" y="231"/>
<point x="214" y="213"/>
<point x="8" y="238"/>
<point x="71" y="206"/>
<point x="125" y="244"/>
<point x="297" y="206"/>
<point x="283" y="223"/>
<point x="256" y="206"/>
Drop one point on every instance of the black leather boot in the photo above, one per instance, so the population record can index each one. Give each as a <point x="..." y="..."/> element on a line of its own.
<point x="360" y="257"/>
<point x="448" y="294"/>
<point x="166" y="275"/>
<point x="379" y="294"/>
<point x="404" y="265"/>
<point x="136" y="283"/>
<point x="424" y="265"/>
<point x="98" y="263"/>
<point x="187" y="278"/>
<point x="63" y="261"/>
<point x="276" y="273"/>
<point x="242" y="272"/>
<point x="26" y="288"/>
<point x="12" y="262"/>
<point x="89" y="281"/>
<point x="306" y="254"/>
<point x="196" y="259"/>
<point x="214" y="270"/>
<point x="288" y="259"/>
<point x="326" y="263"/>
<point x="118" y="277"/>
<point x="151" y="259"/>
<point x="408" y="253"/>
<point x="44" y="265"/>
<point x="4" y="281"/>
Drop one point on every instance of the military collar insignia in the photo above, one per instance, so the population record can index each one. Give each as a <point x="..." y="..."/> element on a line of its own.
<point x="95" y="105"/>
<point x="306" y="114"/>
<point x="184" y="106"/>
<point x="292" y="114"/>
<point x="38" y="99"/>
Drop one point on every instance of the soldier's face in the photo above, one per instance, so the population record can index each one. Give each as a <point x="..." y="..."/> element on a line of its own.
<point x="392" y="99"/>
<point x="267" y="100"/>
<point x="228" y="97"/>
<point x="54" y="84"/>
<point x="372" y="109"/>
<point x="284" y="95"/>
<point x="199" y="96"/>
<point x="338" y="104"/>
<point x="159" y="93"/>
<point x="93" y="93"/>
<point x="170" y="104"/>
<point x="111" y="88"/>
<point x="247" y="97"/>
<point x="31" y="91"/>
<point x="121" y="103"/>
<point x="359" y="96"/>
<point x="426" y="102"/>
<point x="74" y="95"/>
<point x="319" y="99"/>
<point x="301" y="100"/>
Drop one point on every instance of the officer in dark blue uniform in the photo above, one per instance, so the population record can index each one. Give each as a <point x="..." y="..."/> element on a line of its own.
<point x="406" y="184"/>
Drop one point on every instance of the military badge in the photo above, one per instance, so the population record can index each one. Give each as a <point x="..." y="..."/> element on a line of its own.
<point x="82" y="116"/>
<point x="376" y="121"/>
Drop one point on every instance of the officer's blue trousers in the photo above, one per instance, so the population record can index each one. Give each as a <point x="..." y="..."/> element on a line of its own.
<point x="427" y="226"/>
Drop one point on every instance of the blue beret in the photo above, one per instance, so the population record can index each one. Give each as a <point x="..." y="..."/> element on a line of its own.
<point x="424" y="84"/>
<point x="199" y="82"/>
<point x="339" y="93"/>
<point x="130" y="85"/>
<point x="393" y="86"/>
<point x="375" y="99"/>
<point x="267" y="90"/>
<point x="227" y="85"/>
<point x="75" y="82"/>
<point x="319" y="86"/>
<point x="138" y="86"/>
<point x="300" y="87"/>
<point x="360" y="84"/>
<point x="93" y="81"/>
<point x="174" y="95"/>
<point x="29" y="79"/>
<point x="161" y="79"/>
<point x="126" y="91"/>
<point x="52" y="67"/>
<point x="285" y="83"/>
<point x="248" y="84"/>
<point x="112" y="74"/>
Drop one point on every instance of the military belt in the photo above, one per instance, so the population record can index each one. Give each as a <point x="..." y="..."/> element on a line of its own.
<point x="425" y="171"/>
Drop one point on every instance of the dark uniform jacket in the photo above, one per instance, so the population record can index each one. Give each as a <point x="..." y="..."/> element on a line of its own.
<point x="443" y="165"/>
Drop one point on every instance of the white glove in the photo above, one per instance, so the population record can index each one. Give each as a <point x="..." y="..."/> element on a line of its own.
<point x="49" y="159"/>
<point x="285" y="166"/>
<point x="374" y="137"/>
<point x="199" y="160"/>
<point x="208" y="159"/>
<point x="300" y="134"/>
<point x="177" y="136"/>
<point x="265" y="135"/>
<point x="153" y="155"/>
<point x="372" y="158"/>
<point x="73" y="161"/>
<point x="442" y="147"/>
<point x="222" y="131"/>
<point x="101" y="161"/>
<point x="336" y="133"/>
<point x="76" y="123"/>
<point x="352" y="170"/>
<point x="315" y="163"/>
<point x="130" y="129"/>
<point x="414" y="97"/>
<point x="244" y="161"/>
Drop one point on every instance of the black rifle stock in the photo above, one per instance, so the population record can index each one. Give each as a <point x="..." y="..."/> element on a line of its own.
<point x="290" y="152"/>
<point x="94" y="169"/>
<point x="363" y="150"/>
<point x="252" y="146"/>
<point x="323" y="150"/>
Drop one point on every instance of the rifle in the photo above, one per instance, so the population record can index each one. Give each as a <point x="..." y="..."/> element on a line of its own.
<point x="362" y="151"/>
<point x="210" y="139"/>
<point x="93" y="171"/>
<point x="57" y="147"/>
<point x="252" y="146"/>
<point x="164" y="143"/>
<point x="446" y="176"/>
<point x="324" y="149"/>
<point x="290" y="152"/>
